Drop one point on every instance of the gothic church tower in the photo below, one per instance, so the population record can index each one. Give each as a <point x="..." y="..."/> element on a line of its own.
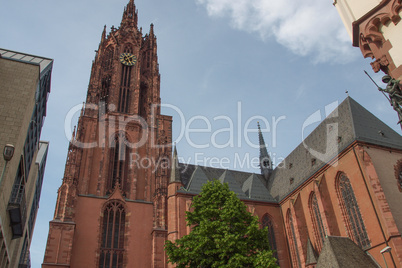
<point x="111" y="207"/>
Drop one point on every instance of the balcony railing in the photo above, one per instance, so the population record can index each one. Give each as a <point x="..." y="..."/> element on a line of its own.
<point x="25" y="262"/>
<point x="17" y="210"/>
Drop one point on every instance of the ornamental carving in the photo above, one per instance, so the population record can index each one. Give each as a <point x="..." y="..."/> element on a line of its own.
<point x="371" y="39"/>
<point x="380" y="64"/>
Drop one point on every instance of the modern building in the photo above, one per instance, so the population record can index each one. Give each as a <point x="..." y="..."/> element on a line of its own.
<point x="123" y="194"/>
<point x="375" y="27"/>
<point x="24" y="89"/>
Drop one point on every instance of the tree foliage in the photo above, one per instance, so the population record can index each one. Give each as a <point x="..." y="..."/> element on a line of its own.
<point x="223" y="233"/>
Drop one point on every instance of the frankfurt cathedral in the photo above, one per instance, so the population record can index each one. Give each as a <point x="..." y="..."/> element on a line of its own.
<point x="339" y="210"/>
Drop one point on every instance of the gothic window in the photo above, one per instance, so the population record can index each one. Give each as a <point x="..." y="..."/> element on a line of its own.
<point x="125" y="81"/>
<point x="128" y="49"/>
<point x="112" y="239"/>
<point x="148" y="59"/>
<point x="351" y="212"/>
<point x="266" y="222"/>
<point x="104" y="96"/>
<point x="318" y="226"/>
<point x="119" y="158"/>
<point x="108" y="58"/>
<point x="143" y="99"/>
<point x="292" y="240"/>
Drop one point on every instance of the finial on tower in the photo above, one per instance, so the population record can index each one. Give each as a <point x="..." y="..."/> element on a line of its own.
<point x="265" y="160"/>
<point x="151" y="30"/>
<point x="104" y="33"/>
<point x="130" y="14"/>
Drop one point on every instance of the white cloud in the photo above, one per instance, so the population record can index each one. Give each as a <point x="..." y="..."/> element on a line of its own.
<point x="308" y="28"/>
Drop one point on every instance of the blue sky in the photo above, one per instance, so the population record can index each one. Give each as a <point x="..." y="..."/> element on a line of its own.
<point x="246" y="60"/>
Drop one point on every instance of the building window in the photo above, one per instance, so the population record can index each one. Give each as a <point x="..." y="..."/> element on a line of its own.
<point x="266" y="222"/>
<point x="351" y="212"/>
<point x="17" y="203"/>
<point x="4" y="261"/>
<point x="112" y="240"/>
<point x="119" y="156"/>
<point x="124" y="93"/>
<point x="317" y="221"/>
<point x="25" y="257"/>
<point x="108" y="58"/>
<point x="104" y="94"/>
<point x="292" y="240"/>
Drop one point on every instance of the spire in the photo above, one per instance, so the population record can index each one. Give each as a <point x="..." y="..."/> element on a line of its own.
<point x="265" y="160"/>
<point x="103" y="34"/>
<point x="175" y="172"/>
<point x="151" y="30"/>
<point x="130" y="14"/>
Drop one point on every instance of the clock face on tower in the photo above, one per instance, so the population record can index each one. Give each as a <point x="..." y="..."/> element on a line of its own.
<point x="128" y="59"/>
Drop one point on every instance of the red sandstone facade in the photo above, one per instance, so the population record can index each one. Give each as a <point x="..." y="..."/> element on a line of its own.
<point x="120" y="198"/>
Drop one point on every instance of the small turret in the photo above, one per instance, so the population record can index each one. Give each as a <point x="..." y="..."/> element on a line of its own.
<point x="175" y="172"/>
<point x="265" y="159"/>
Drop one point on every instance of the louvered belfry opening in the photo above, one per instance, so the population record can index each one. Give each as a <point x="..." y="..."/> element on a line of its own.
<point x="124" y="93"/>
<point x="118" y="169"/>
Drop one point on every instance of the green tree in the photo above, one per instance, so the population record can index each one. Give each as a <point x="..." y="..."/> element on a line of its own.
<point x="224" y="233"/>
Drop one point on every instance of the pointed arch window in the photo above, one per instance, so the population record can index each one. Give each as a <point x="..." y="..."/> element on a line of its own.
<point x="112" y="239"/>
<point x="108" y="58"/>
<point x="351" y="212"/>
<point x="118" y="171"/>
<point x="319" y="231"/>
<point x="125" y="81"/>
<point x="143" y="100"/>
<point x="292" y="240"/>
<point x="105" y="90"/>
<point x="267" y="222"/>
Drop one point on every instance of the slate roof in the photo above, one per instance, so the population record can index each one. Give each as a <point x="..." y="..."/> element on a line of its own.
<point x="311" y="254"/>
<point x="246" y="185"/>
<point x="339" y="252"/>
<point x="348" y="122"/>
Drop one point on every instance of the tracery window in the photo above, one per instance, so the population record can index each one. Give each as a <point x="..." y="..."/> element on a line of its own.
<point x="112" y="240"/>
<point x="143" y="100"/>
<point x="118" y="171"/>
<point x="292" y="240"/>
<point x="125" y="81"/>
<point x="266" y="222"/>
<point x="318" y="226"/>
<point x="108" y="58"/>
<point x="105" y="90"/>
<point x="351" y="212"/>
